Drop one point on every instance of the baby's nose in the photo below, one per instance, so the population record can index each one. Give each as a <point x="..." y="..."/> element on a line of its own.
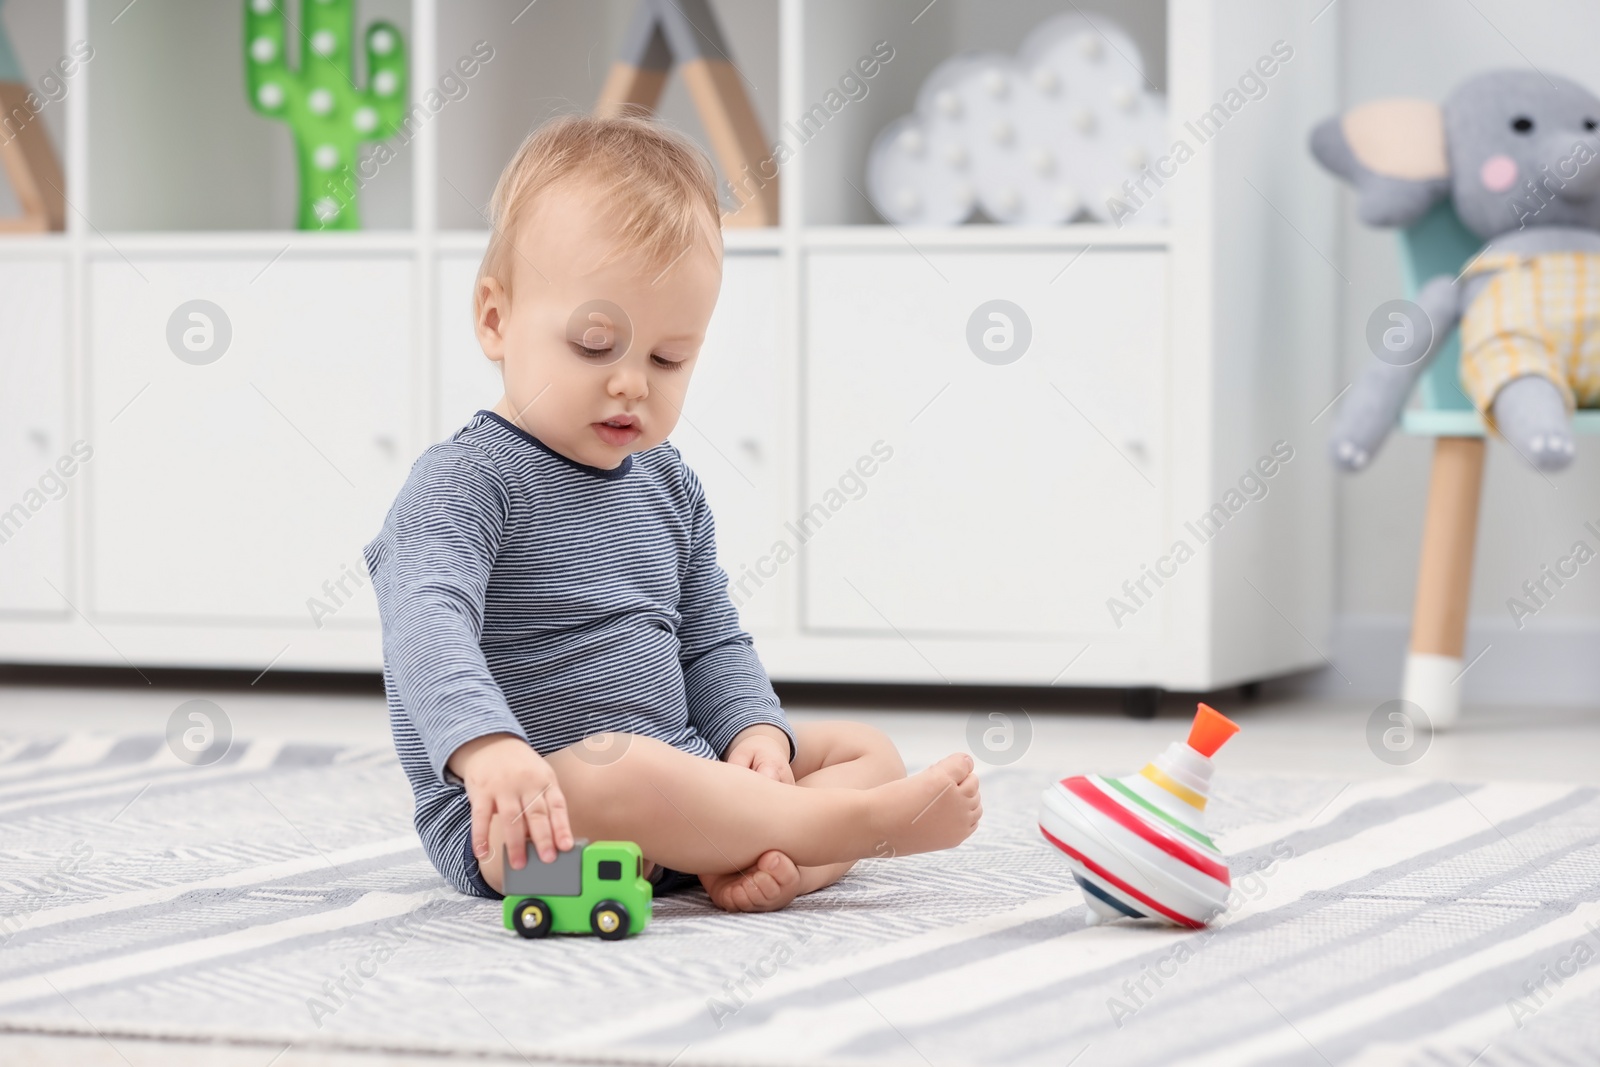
<point x="629" y="383"/>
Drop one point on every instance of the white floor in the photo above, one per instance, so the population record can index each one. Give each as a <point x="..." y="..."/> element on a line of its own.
<point x="1295" y="737"/>
<point x="1320" y="738"/>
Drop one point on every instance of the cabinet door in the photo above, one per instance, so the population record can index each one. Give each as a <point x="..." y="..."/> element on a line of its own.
<point x="729" y="432"/>
<point x="244" y="487"/>
<point x="38" y="470"/>
<point x="1018" y="496"/>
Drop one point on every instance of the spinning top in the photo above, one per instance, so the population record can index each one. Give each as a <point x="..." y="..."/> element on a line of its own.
<point x="1137" y="844"/>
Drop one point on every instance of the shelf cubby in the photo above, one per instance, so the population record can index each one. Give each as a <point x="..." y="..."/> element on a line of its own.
<point x="553" y="59"/>
<point x="173" y="142"/>
<point x="921" y="35"/>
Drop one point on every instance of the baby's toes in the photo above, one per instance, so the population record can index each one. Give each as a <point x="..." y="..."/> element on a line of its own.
<point x="736" y="897"/>
<point x="723" y="890"/>
<point x="772" y="883"/>
<point x="774" y="877"/>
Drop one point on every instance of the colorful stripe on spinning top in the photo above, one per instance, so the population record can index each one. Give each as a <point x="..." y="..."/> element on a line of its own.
<point x="1138" y="823"/>
<point x="1172" y="820"/>
<point x="1136" y="844"/>
<point x="1177" y="789"/>
<point x="1100" y="884"/>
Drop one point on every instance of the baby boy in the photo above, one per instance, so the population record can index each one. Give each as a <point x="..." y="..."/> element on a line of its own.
<point x="561" y="656"/>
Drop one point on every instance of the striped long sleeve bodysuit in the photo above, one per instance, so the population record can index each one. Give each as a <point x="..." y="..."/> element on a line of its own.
<point x="523" y="592"/>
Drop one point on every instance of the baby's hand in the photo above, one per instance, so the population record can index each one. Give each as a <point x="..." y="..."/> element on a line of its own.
<point x="764" y="749"/>
<point x="509" y="783"/>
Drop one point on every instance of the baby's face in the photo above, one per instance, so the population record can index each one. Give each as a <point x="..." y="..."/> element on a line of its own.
<point x="596" y="360"/>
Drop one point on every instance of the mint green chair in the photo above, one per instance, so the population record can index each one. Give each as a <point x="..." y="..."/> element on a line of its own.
<point x="1440" y="244"/>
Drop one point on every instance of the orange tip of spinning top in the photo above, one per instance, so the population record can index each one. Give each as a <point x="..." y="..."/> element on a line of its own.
<point x="1211" y="730"/>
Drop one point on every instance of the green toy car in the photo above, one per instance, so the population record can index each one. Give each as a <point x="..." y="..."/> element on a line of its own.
<point x="592" y="888"/>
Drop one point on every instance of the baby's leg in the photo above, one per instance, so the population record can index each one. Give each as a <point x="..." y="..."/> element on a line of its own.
<point x="831" y="755"/>
<point x="851" y="755"/>
<point x="841" y="754"/>
<point x="701" y="815"/>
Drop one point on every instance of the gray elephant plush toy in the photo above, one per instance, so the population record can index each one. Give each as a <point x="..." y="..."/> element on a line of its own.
<point x="1519" y="155"/>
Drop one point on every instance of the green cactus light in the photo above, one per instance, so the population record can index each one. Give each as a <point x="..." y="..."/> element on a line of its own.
<point x="327" y="114"/>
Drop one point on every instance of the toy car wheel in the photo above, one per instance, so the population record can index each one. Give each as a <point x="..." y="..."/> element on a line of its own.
<point x="609" y="920"/>
<point x="532" y="917"/>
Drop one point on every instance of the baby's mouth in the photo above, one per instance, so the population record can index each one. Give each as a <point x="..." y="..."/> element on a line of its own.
<point x="618" y="430"/>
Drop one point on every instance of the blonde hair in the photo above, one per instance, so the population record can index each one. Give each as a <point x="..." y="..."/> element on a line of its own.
<point x="658" y="187"/>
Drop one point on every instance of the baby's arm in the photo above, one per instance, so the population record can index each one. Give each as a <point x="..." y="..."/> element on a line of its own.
<point x="731" y="702"/>
<point x="430" y="568"/>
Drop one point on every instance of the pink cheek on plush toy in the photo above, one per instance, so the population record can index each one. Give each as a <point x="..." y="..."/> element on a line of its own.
<point x="1499" y="173"/>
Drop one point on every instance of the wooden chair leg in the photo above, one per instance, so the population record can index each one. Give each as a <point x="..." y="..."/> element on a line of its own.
<point x="30" y="163"/>
<point x="1444" y="579"/>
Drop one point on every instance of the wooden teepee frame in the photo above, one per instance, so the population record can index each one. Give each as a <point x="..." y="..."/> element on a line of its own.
<point x="685" y="32"/>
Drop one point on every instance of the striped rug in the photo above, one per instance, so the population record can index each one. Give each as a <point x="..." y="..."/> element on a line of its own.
<point x="279" y="898"/>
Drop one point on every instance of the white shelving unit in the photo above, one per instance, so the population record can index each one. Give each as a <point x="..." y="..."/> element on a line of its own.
<point x="220" y="499"/>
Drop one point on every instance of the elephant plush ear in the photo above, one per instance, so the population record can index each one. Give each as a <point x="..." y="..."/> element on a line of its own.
<point x="1393" y="153"/>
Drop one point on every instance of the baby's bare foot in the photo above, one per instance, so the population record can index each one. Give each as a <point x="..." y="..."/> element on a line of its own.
<point x="771" y="884"/>
<point x="933" y="809"/>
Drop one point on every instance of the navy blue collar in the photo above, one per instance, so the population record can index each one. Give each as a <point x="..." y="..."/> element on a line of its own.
<point x="599" y="472"/>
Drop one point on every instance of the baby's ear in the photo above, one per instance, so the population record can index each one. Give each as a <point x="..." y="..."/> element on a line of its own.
<point x="1393" y="153"/>
<point x="490" y="302"/>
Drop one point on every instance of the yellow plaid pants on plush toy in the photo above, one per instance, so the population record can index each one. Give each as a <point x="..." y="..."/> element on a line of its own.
<point x="1538" y="315"/>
